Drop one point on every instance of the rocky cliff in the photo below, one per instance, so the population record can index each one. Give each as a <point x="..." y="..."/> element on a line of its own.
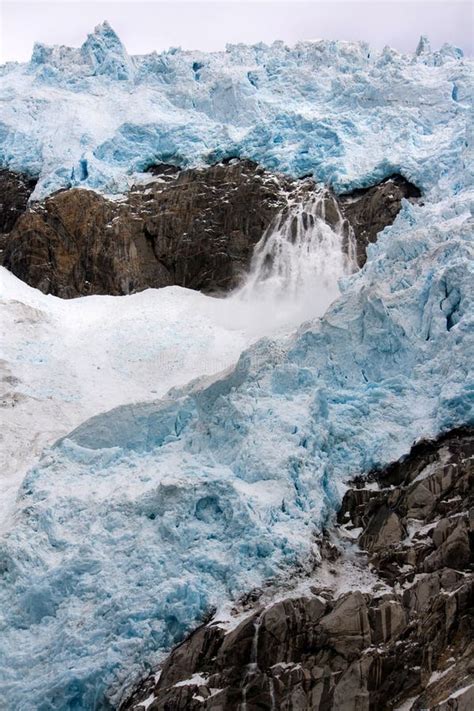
<point x="15" y="190"/>
<point x="404" y="642"/>
<point x="195" y="228"/>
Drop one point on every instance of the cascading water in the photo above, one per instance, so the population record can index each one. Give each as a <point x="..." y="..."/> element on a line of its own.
<point x="299" y="251"/>
<point x="296" y="267"/>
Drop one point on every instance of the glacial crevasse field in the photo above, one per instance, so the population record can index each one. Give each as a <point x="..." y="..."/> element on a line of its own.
<point x="132" y="527"/>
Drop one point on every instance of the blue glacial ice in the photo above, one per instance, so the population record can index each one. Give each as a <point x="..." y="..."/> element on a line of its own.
<point x="130" y="529"/>
<point x="341" y="111"/>
<point x="133" y="526"/>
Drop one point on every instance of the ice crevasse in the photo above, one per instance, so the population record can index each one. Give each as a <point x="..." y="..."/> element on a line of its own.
<point x="131" y="528"/>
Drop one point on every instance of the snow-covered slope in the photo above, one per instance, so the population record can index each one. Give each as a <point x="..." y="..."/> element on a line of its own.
<point x="130" y="528"/>
<point x="341" y="111"/>
<point x="64" y="361"/>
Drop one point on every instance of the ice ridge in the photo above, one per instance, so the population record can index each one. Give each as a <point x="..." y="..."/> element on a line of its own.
<point x="314" y="108"/>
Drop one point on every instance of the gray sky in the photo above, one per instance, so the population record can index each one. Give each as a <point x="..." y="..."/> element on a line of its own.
<point x="193" y="24"/>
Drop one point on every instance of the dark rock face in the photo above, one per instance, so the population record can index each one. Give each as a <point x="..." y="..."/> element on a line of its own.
<point x="371" y="209"/>
<point x="15" y="190"/>
<point x="408" y="639"/>
<point x="195" y="228"/>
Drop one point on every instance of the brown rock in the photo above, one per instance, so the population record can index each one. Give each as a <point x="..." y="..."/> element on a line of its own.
<point x="371" y="209"/>
<point x="412" y="639"/>
<point x="195" y="228"/>
<point x="387" y="620"/>
<point x="454" y="552"/>
<point x="15" y="190"/>
<point x="383" y="530"/>
<point x="348" y="626"/>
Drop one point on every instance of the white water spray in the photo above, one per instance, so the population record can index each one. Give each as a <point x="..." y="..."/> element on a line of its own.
<point x="295" y="269"/>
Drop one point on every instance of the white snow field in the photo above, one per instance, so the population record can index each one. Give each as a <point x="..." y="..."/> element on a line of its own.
<point x="128" y="530"/>
<point x="64" y="361"/>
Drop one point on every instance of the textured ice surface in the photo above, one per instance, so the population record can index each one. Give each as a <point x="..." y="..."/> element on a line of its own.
<point x="144" y="517"/>
<point x="342" y="111"/>
<point x="129" y="529"/>
<point x="62" y="361"/>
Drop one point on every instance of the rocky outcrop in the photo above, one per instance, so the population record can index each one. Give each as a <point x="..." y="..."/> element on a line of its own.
<point x="369" y="210"/>
<point x="406" y="640"/>
<point x="15" y="190"/>
<point x="195" y="228"/>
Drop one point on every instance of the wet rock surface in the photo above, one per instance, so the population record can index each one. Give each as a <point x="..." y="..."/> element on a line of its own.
<point x="195" y="228"/>
<point x="405" y="642"/>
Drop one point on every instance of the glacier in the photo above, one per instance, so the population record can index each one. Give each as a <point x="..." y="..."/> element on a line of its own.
<point x="96" y="117"/>
<point x="136" y="524"/>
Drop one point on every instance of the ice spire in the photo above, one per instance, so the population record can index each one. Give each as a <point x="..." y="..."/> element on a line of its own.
<point x="104" y="51"/>
<point x="423" y="46"/>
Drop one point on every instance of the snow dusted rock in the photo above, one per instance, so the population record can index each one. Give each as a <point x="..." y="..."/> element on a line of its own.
<point x="196" y="229"/>
<point x="408" y="643"/>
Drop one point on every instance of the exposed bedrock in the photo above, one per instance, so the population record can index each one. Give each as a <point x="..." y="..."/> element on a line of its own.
<point x="195" y="228"/>
<point x="406" y="641"/>
<point x="15" y="190"/>
<point x="371" y="209"/>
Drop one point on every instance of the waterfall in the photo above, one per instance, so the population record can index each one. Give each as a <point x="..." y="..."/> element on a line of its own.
<point x="297" y="265"/>
<point x="252" y="667"/>
<point x="299" y="250"/>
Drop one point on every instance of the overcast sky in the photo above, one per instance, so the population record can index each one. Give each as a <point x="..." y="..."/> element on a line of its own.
<point x="193" y="24"/>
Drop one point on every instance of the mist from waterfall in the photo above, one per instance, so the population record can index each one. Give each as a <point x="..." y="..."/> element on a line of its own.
<point x="295" y="270"/>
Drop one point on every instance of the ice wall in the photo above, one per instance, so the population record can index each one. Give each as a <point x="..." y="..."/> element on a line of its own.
<point x="343" y="112"/>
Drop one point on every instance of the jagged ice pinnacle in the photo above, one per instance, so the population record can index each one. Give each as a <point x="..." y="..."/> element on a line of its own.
<point x="95" y="116"/>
